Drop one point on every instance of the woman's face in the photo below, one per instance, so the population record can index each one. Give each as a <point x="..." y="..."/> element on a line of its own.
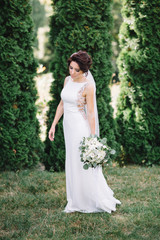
<point x="74" y="71"/>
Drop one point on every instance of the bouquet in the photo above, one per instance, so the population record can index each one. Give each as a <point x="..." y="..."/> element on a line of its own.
<point x="94" y="151"/>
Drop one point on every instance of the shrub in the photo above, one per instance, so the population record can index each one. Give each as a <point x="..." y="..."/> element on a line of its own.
<point x="20" y="145"/>
<point x="138" y="115"/>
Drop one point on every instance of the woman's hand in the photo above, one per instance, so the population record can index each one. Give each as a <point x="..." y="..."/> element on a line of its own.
<point x="51" y="133"/>
<point x="59" y="113"/>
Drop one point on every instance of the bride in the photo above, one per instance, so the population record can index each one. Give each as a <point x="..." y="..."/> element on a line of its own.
<point x="87" y="190"/>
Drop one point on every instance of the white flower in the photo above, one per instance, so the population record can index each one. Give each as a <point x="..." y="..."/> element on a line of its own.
<point x="94" y="151"/>
<point x="113" y="151"/>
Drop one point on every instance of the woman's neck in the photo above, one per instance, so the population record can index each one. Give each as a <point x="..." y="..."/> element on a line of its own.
<point x="80" y="79"/>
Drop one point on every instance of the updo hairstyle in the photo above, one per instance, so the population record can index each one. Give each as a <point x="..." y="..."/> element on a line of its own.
<point x="82" y="59"/>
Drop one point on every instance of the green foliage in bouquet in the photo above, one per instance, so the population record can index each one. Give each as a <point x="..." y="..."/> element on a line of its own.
<point x="80" y="25"/>
<point x="95" y="151"/>
<point x="20" y="145"/>
<point x="138" y="115"/>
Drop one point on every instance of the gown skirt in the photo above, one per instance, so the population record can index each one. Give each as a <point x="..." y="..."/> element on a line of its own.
<point x="87" y="190"/>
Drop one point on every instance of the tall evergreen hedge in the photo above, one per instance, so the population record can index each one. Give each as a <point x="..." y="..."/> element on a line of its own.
<point x="138" y="115"/>
<point x="20" y="145"/>
<point x="80" y="25"/>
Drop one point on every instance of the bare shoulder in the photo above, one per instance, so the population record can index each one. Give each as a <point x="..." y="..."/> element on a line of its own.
<point x="89" y="87"/>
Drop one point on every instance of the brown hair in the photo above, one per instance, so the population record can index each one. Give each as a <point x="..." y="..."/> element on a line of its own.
<point x="82" y="59"/>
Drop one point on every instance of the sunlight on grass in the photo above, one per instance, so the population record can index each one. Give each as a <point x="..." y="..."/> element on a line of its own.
<point x="32" y="203"/>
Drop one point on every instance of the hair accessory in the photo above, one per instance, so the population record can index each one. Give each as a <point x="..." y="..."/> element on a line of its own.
<point x="73" y="54"/>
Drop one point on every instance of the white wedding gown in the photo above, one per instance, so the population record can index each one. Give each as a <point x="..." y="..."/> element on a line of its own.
<point x="87" y="190"/>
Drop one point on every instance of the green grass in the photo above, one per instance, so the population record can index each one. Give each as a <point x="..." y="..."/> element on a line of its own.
<point x="32" y="201"/>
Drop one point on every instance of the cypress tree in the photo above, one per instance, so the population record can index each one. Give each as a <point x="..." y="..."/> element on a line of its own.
<point x="80" y="25"/>
<point x="138" y="115"/>
<point x="20" y="145"/>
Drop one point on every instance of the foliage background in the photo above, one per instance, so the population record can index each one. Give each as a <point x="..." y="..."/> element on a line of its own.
<point x="117" y="21"/>
<point x="38" y="16"/>
<point x="19" y="129"/>
<point x="138" y="115"/>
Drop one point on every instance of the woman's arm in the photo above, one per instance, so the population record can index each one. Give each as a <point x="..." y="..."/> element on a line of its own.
<point x="58" y="115"/>
<point x="90" y="107"/>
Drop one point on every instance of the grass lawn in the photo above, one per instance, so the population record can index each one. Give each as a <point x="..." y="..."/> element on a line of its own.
<point x="32" y="201"/>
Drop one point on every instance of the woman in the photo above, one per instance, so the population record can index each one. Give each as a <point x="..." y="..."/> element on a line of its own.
<point x="87" y="190"/>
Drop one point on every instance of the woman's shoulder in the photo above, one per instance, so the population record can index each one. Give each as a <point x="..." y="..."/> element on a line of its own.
<point x="66" y="80"/>
<point x="89" y="87"/>
<point x="89" y="84"/>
